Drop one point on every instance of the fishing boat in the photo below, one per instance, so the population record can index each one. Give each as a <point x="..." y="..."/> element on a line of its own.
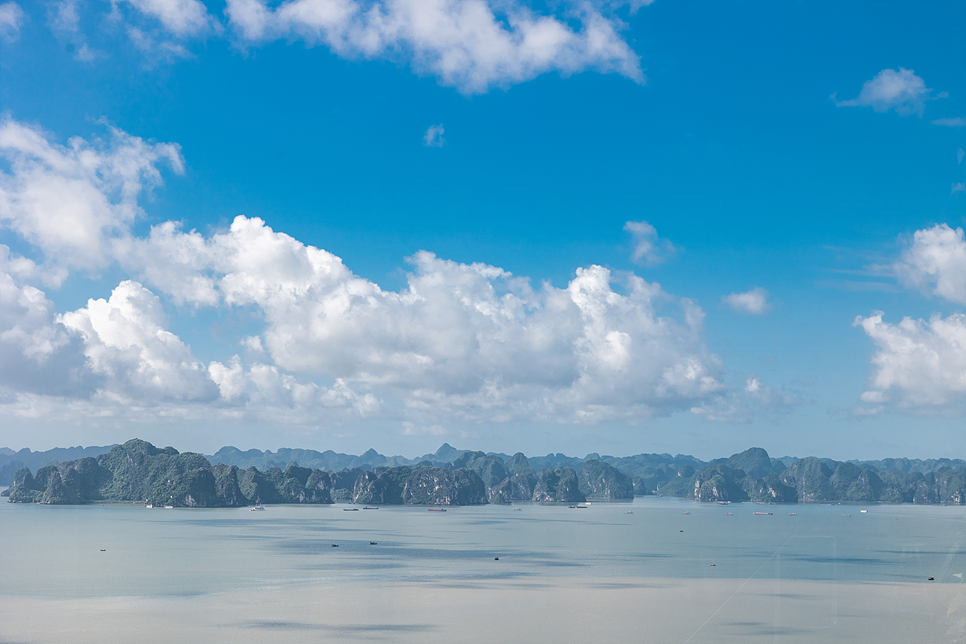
<point x="350" y="509"/>
<point x="368" y="508"/>
<point x="764" y="514"/>
<point x="258" y="506"/>
<point x="437" y="509"/>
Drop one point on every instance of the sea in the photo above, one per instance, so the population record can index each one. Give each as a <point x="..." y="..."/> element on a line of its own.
<point x="652" y="570"/>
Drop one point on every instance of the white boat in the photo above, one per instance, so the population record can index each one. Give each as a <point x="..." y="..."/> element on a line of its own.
<point x="258" y="506"/>
<point x="864" y="511"/>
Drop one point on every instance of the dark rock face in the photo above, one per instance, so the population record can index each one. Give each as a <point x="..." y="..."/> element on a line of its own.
<point x="226" y="485"/>
<point x="771" y="490"/>
<point x="558" y="486"/>
<point x="719" y="483"/>
<point x="421" y="485"/>
<point x="387" y="487"/>
<point x="138" y="471"/>
<point x="600" y="480"/>
<point x="640" y="487"/>
<point x="491" y="469"/>
<point x="810" y="477"/>
<point x="517" y="464"/>
<point x="470" y="489"/>
<point x="754" y="462"/>
<point x="430" y="486"/>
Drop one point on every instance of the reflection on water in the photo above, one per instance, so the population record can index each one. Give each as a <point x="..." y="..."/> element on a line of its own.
<point x="768" y="578"/>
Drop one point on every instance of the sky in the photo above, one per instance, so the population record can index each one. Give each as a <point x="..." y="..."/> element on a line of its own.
<point x="597" y="226"/>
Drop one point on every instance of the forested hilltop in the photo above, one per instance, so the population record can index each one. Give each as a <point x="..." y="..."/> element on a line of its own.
<point x="140" y="472"/>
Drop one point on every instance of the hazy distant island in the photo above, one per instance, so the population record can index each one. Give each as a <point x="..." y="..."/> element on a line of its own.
<point x="137" y="471"/>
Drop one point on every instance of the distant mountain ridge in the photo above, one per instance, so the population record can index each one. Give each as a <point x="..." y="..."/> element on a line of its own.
<point x="749" y="475"/>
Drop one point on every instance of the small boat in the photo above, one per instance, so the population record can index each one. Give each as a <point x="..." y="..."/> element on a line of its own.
<point x="864" y="511"/>
<point x="729" y="514"/>
<point x="335" y="545"/>
<point x="686" y="513"/>
<point x="764" y="514"/>
<point x="496" y="558"/>
<point x="846" y="515"/>
<point x="517" y="510"/>
<point x="722" y="503"/>
<point x="103" y="550"/>
<point x="437" y="509"/>
<point x="258" y="506"/>
<point x="350" y="509"/>
<point x="373" y="543"/>
<point x="169" y="507"/>
<point x="149" y="506"/>
<point x="628" y="512"/>
<point x="368" y="508"/>
<point x="792" y="514"/>
<point x="581" y="507"/>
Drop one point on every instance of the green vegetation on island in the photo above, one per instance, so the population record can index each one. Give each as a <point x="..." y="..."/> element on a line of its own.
<point x="140" y="472"/>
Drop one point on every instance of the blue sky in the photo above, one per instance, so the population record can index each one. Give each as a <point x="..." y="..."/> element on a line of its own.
<point x="804" y="159"/>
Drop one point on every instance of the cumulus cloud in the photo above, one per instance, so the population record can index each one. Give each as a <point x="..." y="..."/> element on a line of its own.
<point x="959" y="121"/>
<point x="919" y="365"/>
<point x="649" y="249"/>
<point x="126" y="342"/>
<point x="37" y="354"/>
<point x="753" y="302"/>
<point x="472" y="45"/>
<point x="11" y="18"/>
<point x="467" y="340"/>
<point x="935" y="263"/>
<point x="900" y="90"/>
<point x="434" y="136"/>
<point x="461" y="342"/>
<point x="75" y="202"/>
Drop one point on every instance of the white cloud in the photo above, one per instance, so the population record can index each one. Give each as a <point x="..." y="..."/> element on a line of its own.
<point x="472" y="45"/>
<point x="919" y="365"/>
<point x="37" y="354"/>
<point x="957" y="187"/>
<point x="75" y="202"/>
<point x="959" y="155"/>
<point x="179" y="17"/>
<point x="959" y="121"/>
<point x="412" y="429"/>
<point x="127" y="342"/>
<point x="156" y="50"/>
<point x="935" y="263"/>
<point x="753" y="302"/>
<point x="11" y="18"/>
<point x="434" y="136"/>
<point x="649" y="249"/>
<point x="462" y="340"/>
<point x="900" y="90"/>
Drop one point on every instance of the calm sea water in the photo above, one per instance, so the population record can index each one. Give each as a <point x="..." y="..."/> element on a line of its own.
<point x="676" y="570"/>
<point x="57" y="551"/>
